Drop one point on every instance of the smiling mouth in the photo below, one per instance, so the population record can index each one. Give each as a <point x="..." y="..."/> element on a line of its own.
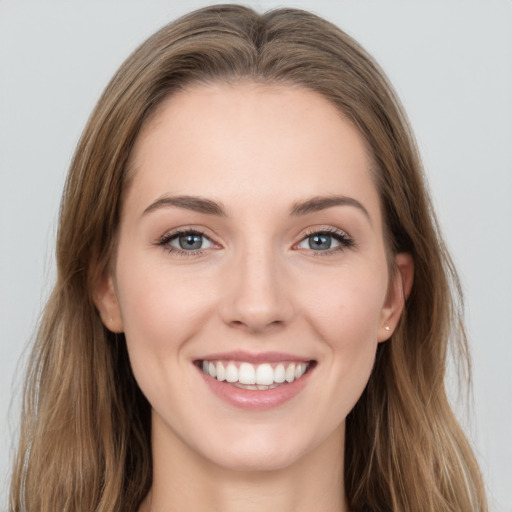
<point x="259" y="377"/>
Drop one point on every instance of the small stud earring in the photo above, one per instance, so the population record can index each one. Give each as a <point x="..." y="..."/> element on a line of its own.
<point x="387" y="328"/>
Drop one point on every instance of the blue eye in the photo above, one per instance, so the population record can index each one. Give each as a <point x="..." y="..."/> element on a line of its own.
<point x="190" y="242"/>
<point x="186" y="241"/>
<point x="319" y="242"/>
<point x="322" y="241"/>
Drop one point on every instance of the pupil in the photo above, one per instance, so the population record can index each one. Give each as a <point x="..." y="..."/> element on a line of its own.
<point x="320" y="242"/>
<point x="190" y="241"/>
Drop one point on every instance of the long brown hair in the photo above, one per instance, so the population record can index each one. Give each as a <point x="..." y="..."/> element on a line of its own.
<point x="85" y="433"/>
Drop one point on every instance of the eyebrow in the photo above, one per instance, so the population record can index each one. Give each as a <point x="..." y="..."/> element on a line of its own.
<point x="194" y="203"/>
<point x="316" y="204"/>
<point x="209" y="207"/>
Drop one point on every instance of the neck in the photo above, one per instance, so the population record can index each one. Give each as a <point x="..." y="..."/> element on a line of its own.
<point x="184" y="480"/>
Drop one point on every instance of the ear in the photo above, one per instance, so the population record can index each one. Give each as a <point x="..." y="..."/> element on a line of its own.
<point x="399" y="289"/>
<point x="105" y="298"/>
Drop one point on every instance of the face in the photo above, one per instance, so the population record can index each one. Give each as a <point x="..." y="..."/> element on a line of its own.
<point x="251" y="277"/>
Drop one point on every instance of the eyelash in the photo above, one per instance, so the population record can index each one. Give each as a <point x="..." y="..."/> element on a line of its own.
<point x="166" y="240"/>
<point x="345" y="241"/>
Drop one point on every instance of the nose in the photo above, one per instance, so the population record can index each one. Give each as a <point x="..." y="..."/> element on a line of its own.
<point x="256" y="297"/>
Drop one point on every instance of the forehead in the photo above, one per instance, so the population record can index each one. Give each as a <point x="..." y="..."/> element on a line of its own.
<point x="261" y="141"/>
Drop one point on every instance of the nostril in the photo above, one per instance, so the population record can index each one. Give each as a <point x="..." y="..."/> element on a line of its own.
<point x="254" y="301"/>
<point x="256" y="326"/>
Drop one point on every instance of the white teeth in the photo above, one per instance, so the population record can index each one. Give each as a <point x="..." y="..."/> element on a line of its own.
<point x="299" y="370"/>
<point x="290" y="373"/>
<point x="264" y="374"/>
<point x="249" y="376"/>
<point x="221" y="372"/>
<point x="232" y="373"/>
<point x="246" y="374"/>
<point x="279" y="374"/>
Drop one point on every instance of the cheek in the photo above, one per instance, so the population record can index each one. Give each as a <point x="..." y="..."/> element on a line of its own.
<point x="160" y="312"/>
<point x="346" y="318"/>
<point x="346" y="306"/>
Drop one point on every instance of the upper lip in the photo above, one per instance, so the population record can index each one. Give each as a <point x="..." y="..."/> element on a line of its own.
<point x="255" y="358"/>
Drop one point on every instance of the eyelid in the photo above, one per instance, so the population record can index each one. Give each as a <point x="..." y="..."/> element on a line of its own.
<point x="177" y="237"/>
<point x="165" y="241"/>
<point x="341" y="236"/>
<point x="345" y="241"/>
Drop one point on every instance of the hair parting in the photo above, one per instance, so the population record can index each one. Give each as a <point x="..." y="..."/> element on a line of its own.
<point x="85" y="433"/>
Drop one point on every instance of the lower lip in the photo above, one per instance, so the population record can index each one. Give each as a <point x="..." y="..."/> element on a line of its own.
<point x="256" y="400"/>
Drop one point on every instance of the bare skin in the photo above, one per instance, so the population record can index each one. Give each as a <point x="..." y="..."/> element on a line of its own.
<point x="190" y="485"/>
<point x="252" y="228"/>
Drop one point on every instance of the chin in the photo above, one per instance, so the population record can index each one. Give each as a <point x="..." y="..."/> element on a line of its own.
<point x="259" y="452"/>
<point x="253" y="460"/>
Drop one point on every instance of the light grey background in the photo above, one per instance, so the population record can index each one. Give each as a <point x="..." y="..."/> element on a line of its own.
<point x="451" y="62"/>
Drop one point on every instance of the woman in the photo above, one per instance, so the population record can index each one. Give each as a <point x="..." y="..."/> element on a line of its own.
<point x="253" y="302"/>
